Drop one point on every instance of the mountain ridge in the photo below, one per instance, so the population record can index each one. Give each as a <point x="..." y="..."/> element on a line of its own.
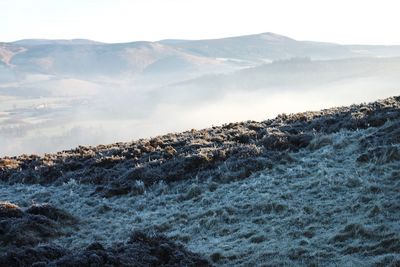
<point x="75" y="41"/>
<point x="252" y="49"/>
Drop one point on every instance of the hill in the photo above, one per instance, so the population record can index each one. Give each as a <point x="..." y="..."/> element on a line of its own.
<point x="80" y="56"/>
<point x="267" y="47"/>
<point x="312" y="188"/>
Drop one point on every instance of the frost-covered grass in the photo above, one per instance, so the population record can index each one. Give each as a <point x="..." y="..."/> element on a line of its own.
<point x="324" y="208"/>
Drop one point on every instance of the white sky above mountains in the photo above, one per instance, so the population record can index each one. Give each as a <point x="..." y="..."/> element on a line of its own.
<point x="340" y="21"/>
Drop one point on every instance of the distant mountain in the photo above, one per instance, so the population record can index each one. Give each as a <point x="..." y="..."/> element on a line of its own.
<point x="80" y="56"/>
<point x="32" y="42"/>
<point x="267" y="47"/>
<point x="173" y="41"/>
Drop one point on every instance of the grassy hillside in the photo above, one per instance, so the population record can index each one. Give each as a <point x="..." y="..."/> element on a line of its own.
<point x="313" y="188"/>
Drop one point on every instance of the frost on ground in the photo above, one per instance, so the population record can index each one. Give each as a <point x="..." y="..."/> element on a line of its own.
<point x="312" y="189"/>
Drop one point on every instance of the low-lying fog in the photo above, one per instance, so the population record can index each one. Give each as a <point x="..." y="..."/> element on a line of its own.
<point x="43" y="114"/>
<point x="59" y="94"/>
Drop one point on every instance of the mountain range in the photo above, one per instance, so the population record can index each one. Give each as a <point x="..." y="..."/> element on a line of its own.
<point x="74" y="56"/>
<point x="53" y="92"/>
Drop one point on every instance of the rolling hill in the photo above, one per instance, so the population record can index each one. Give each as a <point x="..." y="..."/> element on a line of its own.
<point x="77" y="56"/>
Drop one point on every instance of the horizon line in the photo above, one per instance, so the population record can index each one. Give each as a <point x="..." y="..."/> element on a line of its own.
<point x="186" y="40"/>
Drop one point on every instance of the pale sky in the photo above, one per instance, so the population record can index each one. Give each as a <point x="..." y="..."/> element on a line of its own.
<point x="340" y="21"/>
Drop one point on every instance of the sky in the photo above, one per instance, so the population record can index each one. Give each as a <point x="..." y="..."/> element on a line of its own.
<point x="340" y="21"/>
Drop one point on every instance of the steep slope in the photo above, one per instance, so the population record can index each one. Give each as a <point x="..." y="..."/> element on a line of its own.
<point x="314" y="188"/>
